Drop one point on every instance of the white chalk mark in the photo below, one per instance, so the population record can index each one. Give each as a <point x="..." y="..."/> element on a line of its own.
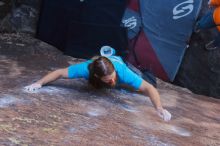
<point x="144" y="121"/>
<point x="95" y="112"/>
<point x="72" y="130"/>
<point x="83" y="126"/>
<point x="180" y="131"/>
<point x="156" y="142"/>
<point x="9" y="43"/>
<point x="19" y="44"/>
<point x="7" y="100"/>
<point x="48" y="89"/>
<point x="173" y="129"/>
<point x="129" y="108"/>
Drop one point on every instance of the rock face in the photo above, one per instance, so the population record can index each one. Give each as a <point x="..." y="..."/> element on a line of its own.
<point x="22" y="17"/>
<point x="69" y="112"/>
<point x="200" y="69"/>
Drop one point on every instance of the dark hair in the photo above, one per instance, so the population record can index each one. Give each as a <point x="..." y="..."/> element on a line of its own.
<point x="100" y="67"/>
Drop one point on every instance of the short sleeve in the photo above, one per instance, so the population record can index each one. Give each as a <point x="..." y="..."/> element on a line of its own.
<point x="132" y="79"/>
<point x="79" y="70"/>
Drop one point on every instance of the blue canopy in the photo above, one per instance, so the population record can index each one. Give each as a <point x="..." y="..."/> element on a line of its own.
<point x="160" y="31"/>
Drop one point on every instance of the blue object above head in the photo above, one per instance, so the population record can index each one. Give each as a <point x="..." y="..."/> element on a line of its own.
<point x="107" y="51"/>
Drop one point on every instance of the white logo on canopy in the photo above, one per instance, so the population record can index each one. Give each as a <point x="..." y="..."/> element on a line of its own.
<point x="183" y="9"/>
<point x="130" y="22"/>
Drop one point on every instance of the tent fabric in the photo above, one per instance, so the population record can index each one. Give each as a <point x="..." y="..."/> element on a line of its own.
<point x="164" y="34"/>
<point x="109" y="12"/>
<point x="57" y="22"/>
<point x="84" y="40"/>
<point x="54" y="18"/>
<point x="132" y="21"/>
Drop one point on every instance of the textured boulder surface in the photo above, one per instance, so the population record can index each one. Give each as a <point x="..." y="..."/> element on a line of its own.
<point x="70" y="112"/>
<point x="200" y="69"/>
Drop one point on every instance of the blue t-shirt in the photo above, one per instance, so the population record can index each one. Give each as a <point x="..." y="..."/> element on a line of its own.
<point x="125" y="75"/>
